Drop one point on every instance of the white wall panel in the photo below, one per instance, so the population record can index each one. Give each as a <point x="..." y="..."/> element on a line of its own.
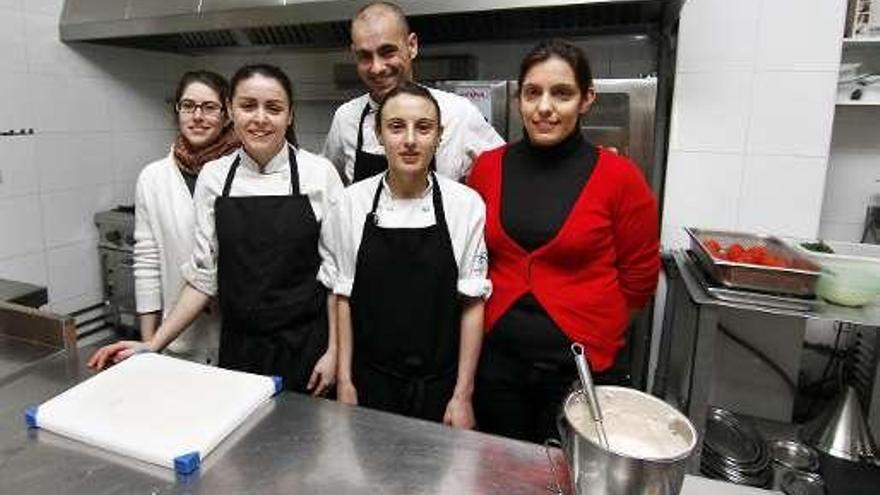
<point x="21" y="225"/>
<point x="19" y="175"/>
<point x="28" y="268"/>
<point x="16" y="112"/>
<point x="67" y="214"/>
<point x="710" y="111"/>
<point x="702" y="189"/>
<point x="782" y="195"/>
<point x="792" y="112"/>
<point x="12" y="40"/>
<point x="73" y="160"/>
<point x="73" y="270"/>
<point x="800" y="35"/>
<point x="706" y="48"/>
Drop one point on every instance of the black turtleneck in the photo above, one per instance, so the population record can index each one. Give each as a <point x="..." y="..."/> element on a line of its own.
<point x="540" y="185"/>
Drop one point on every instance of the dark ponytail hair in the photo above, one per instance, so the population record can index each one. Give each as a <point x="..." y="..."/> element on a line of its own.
<point x="406" y="88"/>
<point x="271" y="72"/>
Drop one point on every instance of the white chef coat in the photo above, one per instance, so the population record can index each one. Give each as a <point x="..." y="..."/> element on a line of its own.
<point x="465" y="218"/>
<point x="466" y="134"/>
<point x="317" y="179"/>
<point x="163" y="232"/>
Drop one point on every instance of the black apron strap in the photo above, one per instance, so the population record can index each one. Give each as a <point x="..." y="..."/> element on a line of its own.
<point x="360" y="139"/>
<point x="294" y="171"/>
<point x="366" y="164"/>
<point x="230" y="175"/>
<point x="372" y="217"/>
<point x="439" y="212"/>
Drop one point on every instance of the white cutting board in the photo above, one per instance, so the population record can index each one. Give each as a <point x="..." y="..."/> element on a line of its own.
<point x="156" y="408"/>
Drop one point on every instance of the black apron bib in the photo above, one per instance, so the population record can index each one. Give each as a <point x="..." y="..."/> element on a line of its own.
<point x="406" y="316"/>
<point x="366" y="164"/>
<point x="273" y="308"/>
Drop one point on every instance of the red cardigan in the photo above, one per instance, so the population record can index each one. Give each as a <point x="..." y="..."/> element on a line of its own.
<point x="602" y="263"/>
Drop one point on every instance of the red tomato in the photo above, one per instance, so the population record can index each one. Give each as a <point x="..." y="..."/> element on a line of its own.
<point x="736" y="253"/>
<point x="758" y="252"/>
<point x="771" y="260"/>
<point x="714" y="248"/>
<point x="756" y="255"/>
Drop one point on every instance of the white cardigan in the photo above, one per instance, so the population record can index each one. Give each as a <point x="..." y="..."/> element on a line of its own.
<point x="164" y="232"/>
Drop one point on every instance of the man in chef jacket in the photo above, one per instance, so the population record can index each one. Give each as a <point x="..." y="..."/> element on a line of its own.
<point x="384" y="48"/>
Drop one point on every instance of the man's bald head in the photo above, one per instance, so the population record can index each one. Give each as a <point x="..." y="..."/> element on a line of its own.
<point x="383" y="47"/>
<point x="378" y="9"/>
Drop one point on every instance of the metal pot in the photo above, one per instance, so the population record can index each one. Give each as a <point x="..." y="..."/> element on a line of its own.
<point x="598" y="471"/>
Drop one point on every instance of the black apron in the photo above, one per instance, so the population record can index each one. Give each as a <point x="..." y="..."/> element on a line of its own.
<point x="366" y="164"/>
<point x="406" y="316"/>
<point x="272" y="306"/>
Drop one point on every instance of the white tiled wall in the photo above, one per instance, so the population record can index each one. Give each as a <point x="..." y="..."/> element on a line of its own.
<point x="752" y="115"/>
<point x="99" y="115"/>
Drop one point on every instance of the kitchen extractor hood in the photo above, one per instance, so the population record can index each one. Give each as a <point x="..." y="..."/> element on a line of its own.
<point x="201" y="25"/>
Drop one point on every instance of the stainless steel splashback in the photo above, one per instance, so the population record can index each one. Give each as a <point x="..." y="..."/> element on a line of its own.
<point x="194" y="25"/>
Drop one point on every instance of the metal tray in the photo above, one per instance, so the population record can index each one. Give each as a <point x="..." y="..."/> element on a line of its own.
<point x="800" y="280"/>
<point x="743" y="296"/>
<point x="794" y="455"/>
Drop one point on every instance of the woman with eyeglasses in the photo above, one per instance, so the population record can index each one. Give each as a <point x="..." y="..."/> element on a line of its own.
<point x="164" y="211"/>
<point x="411" y="274"/>
<point x="258" y="247"/>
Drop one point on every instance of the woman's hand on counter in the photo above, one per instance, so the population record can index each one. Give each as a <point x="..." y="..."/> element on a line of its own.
<point x="460" y="413"/>
<point x="346" y="393"/>
<point x="116" y="352"/>
<point x="324" y="374"/>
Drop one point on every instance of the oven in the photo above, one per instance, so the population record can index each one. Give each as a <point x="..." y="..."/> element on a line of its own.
<point x="116" y="255"/>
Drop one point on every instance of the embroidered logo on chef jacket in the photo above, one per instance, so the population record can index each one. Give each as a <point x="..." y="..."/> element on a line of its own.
<point x="480" y="263"/>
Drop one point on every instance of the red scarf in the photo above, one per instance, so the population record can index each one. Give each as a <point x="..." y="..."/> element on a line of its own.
<point x="190" y="160"/>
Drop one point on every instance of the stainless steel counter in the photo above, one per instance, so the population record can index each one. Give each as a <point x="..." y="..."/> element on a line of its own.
<point x="17" y="355"/>
<point x="30" y="295"/>
<point x="294" y="444"/>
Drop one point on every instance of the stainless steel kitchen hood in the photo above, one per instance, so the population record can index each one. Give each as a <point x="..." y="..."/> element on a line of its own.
<point x="200" y="25"/>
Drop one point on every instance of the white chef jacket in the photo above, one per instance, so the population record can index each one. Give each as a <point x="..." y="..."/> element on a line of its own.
<point x="317" y="179"/>
<point x="465" y="218"/>
<point x="466" y="134"/>
<point x="163" y="232"/>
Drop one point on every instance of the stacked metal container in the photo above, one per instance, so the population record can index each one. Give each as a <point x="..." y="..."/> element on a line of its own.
<point x="734" y="451"/>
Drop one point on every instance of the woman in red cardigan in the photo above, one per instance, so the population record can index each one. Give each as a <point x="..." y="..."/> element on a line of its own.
<point x="572" y="234"/>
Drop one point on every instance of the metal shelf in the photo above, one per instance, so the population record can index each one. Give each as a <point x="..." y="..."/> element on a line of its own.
<point x="857" y="103"/>
<point x="862" y="41"/>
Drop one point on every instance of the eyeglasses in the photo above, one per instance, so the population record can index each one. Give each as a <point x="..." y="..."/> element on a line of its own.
<point x="208" y="108"/>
